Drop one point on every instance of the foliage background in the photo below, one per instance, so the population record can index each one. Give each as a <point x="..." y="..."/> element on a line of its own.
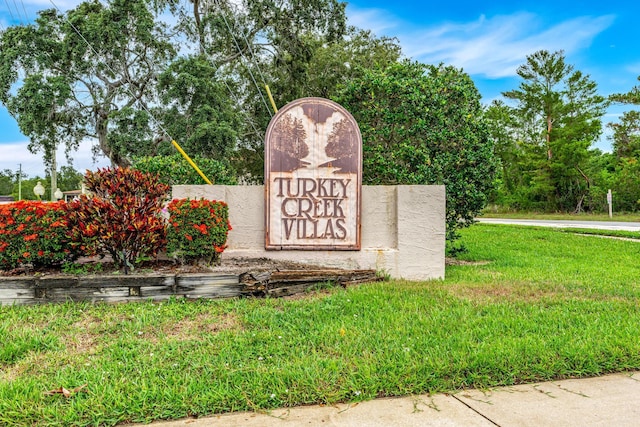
<point x="200" y="81"/>
<point x="423" y="124"/>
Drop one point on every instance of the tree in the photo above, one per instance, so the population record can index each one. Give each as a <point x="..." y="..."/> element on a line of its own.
<point x="255" y="42"/>
<point x="334" y="64"/>
<point x="601" y="169"/>
<point x="27" y="188"/>
<point x="197" y="106"/>
<point x="631" y="97"/>
<point x="228" y="30"/>
<point x="175" y="170"/>
<point x="626" y="135"/>
<point x="82" y="71"/>
<point x="423" y="124"/>
<point x="69" y="179"/>
<point x="507" y="136"/>
<point x="560" y="113"/>
<point x="625" y="182"/>
<point x="7" y="179"/>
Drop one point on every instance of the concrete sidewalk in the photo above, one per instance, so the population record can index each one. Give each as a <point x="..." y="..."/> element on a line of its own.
<point x="599" y="225"/>
<point x="611" y="400"/>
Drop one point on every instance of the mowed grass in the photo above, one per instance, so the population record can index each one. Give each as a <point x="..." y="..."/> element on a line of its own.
<point x="523" y="305"/>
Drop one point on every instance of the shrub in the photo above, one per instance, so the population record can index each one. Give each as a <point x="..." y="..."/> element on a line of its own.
<point x="175" y="170"/>
<point x="121" y="216"/>
<point x="423" y="124"/>
<point x="33" y="232"/>
<point x="197" y="230"/>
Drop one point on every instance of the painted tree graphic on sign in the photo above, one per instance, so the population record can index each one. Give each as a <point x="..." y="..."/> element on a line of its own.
<point x="342" y="144"/>
<point x="313" y="177"/>
<point x="289" y="144"/>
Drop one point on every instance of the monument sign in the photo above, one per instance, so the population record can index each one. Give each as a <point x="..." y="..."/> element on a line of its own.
<point x="313" y="177"/>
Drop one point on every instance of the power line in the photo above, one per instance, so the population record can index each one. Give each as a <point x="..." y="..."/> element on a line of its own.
<point x="128" y="89"/>
<point x="18" y="12"/>
<point x="244" y="36"/>
<point x="142" y="105"/>
<point x="234" y="96"/>
<point x="245" y="59"/>
<point x="26" y="17"/>
<point x="9" y="9"/>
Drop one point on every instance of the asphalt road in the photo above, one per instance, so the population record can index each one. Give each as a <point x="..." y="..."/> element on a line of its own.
<point x="600" y="225"/>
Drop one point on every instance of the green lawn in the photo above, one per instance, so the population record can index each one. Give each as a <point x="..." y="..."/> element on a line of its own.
<point x="523" y="305"/>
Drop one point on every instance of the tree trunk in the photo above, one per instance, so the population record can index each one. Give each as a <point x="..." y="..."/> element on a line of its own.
<point x="586" y="178"/>
<point x="549" y="128"/>
<point x="117" y="160"/>
<point x="579" y="206"/>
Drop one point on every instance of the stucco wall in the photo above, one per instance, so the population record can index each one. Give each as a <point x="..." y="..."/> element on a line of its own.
<point x="403" y="229"/>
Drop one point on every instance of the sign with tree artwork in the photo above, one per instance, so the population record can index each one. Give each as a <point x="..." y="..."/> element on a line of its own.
<point x="313" y="177"/>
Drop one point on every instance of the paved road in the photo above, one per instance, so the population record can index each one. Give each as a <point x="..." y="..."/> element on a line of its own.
<point x="601" y="225"/>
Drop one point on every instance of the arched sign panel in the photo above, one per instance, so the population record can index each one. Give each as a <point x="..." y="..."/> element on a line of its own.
<point x="313" y="177"/>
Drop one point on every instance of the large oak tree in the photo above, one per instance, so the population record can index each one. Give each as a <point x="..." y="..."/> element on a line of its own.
<point x="70" y="77"/>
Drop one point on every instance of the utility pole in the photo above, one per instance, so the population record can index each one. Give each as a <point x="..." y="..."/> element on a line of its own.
<point x="19" y="181"/>
<point x="54" y="178"/>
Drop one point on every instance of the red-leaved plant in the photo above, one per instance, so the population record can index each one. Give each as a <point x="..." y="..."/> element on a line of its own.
<point x="197" y="230"/>
<point x="35" y="233"/>
<point x="121" y="216"/>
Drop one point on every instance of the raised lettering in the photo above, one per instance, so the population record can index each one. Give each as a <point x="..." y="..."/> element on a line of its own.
<point x="307" y="191"/>
<point x="322" y="190"/>
<point x="289" y="213"/>
<point x="337" y="209"/>
<point x="345" y="184"/>
<point x="328" y="230"/>
<point x="305" y="206"/>
<point x="279" y="182"/>
<point x="342" y="230"/>
<point x="288" y="226"/>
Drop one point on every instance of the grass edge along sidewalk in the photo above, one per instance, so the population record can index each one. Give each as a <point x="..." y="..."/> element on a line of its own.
<point x="523" y="305"/>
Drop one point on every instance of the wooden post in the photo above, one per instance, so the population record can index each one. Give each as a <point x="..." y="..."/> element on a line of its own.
<point x="610" y="203"/>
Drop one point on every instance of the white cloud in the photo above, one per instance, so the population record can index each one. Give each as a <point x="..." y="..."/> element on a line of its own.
<point x="14" y="154"/>
<point x="44" y="4"/>
<point x="26" y="10"/>
<point x="490" y="46"/>
<point x="634" y="68"/>
<point x="376" y="20"/>
<point x="496" y="47"/>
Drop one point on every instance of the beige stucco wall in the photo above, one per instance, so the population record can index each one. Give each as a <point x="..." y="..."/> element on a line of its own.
<point x="403" y="229"/>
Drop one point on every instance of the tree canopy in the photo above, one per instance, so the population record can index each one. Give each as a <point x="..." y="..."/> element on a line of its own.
<point x="129" y="76"/>
<point x="555" y="120"/>
<point x="423" y="124"/>
<point x="81" y="71"/>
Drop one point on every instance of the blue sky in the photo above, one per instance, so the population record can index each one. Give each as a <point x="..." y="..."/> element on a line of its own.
<point x="488" y="40"/>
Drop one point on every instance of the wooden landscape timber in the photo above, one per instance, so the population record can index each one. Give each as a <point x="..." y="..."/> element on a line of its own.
<point x="290" y="282"/>
<point x="28" y="290"/>
<point x="46" y="289"/>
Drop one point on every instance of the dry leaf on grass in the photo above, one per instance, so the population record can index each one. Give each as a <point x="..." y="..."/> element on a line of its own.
<point x="66" y="393"/>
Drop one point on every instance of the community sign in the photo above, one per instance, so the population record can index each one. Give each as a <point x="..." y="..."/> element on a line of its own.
<point x="313" y="177"/>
